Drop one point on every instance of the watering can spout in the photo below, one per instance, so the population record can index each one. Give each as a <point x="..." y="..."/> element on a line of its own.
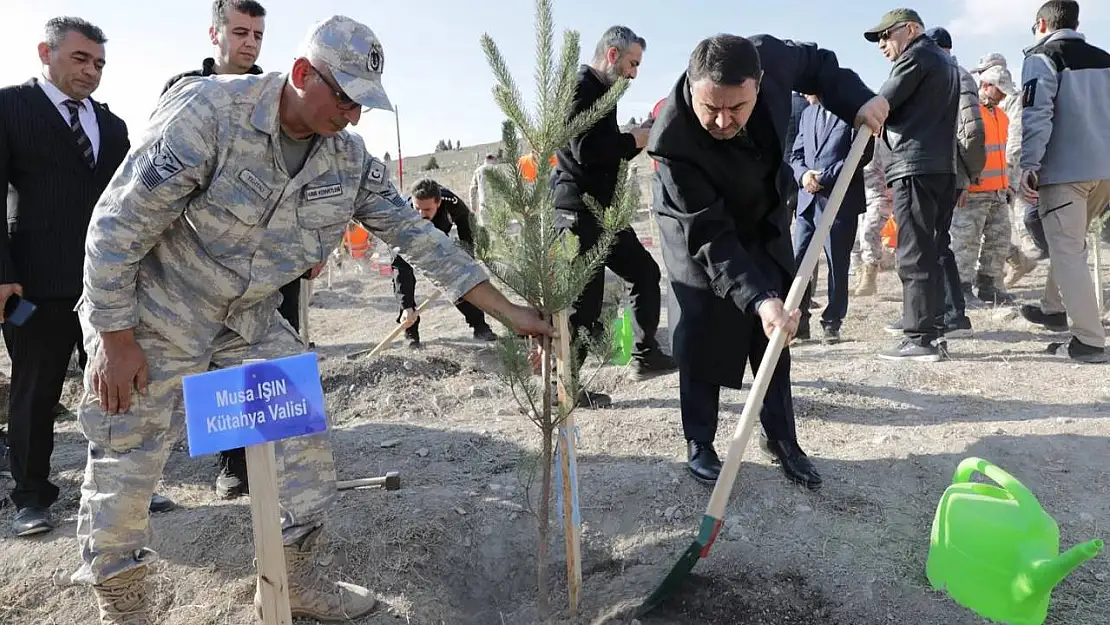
<point x="1046" y="574"/>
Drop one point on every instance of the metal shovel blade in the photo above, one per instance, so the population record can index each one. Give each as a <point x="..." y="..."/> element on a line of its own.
<point x="681" y="570"/>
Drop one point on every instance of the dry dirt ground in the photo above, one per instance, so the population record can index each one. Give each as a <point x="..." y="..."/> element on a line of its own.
<point x="453" y="546"/>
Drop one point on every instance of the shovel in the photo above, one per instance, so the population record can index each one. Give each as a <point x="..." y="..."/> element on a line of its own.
<point x="392" y="336"/>
<point x="714" y="514"/>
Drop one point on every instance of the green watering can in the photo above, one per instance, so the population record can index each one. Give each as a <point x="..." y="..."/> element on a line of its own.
<point x="622" y="338"/>
<point x="995" y="550"/>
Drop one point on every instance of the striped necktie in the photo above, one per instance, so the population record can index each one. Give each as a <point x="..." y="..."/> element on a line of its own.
<point x="83" y="143"/>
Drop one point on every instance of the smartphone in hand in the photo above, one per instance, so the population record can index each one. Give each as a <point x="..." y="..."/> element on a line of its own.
<point x="17" y="310"/>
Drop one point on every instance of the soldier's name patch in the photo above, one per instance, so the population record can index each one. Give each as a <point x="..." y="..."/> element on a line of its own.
<point x="377" y="171"/>
<point x="320" y="193"/>
<point x="157" y="165"/>
<point x="254" y="183"/>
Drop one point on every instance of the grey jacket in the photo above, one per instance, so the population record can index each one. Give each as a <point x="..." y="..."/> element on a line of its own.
<point x="1065" y="90"/>
<point x="919" y="137"/>
<point x="971" y="137"/>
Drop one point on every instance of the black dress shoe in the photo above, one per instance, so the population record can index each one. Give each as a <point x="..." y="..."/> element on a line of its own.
<point x="158" y="503"/>
<point x="702" y="462"/>
<point x="596" y="401"/>
<point x="654" y="363"/>
<point x="795" y="464"/>
<point x="32" y="520"/>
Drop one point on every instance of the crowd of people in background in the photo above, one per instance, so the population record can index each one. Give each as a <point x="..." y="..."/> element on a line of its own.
<point x="151" y="260"/>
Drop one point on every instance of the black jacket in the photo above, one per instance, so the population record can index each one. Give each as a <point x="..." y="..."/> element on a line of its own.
<point x="590" y="163"/>
<point x="452" y="212"/>
<point x="208" y="68"/>
<point x="51" y="191"/>
<point x="924" y="94"/>
<point x="726" y="238"/>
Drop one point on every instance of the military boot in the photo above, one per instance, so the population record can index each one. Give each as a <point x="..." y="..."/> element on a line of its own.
<point x="122" y="599"/>
<point x="312" y="594"/>
<point x="868" y="281"/>
<point x="987" y="291"/>
<point x="1020" y="266"/>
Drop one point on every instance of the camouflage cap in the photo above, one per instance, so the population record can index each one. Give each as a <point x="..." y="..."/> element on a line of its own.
<point x="890" y="20"/>
<point x="999" y="77"/>
<point x="991" y="60"/>
<point x="354" y="55"/>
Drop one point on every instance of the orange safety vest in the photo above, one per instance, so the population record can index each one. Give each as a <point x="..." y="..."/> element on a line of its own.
<point x="528" y="167"/>
<point x="996" y="125"/>
<point x="357" y="240"/>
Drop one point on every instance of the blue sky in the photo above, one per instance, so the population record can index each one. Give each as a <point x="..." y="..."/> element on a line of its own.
<point x="435" y="71"/>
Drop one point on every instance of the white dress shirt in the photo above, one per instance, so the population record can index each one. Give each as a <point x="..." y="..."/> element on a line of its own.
<point x="86" y="113"/>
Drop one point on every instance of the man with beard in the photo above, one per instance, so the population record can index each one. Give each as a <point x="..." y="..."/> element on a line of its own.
<point x="719" y="144"/>
<point x="589" y="166"/>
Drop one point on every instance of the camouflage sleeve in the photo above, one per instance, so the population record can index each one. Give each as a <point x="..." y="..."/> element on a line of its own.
<point x="384" y="212"/>
<point x="146" y="195"/>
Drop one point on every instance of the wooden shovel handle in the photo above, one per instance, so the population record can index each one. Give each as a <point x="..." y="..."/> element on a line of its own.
<point x="754" y="403"/>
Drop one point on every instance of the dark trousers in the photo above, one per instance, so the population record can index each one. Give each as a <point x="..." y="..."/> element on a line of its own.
<point x="474" y="316"/>
<point x="923" y="211"/>
<point x="700" y="404"/>
<point x="40" y="352"/>
<point x="290" y="309"/>
<point x="955" y="306"/>
<point x="633" y="264"/>
<point x="838" y="255"/>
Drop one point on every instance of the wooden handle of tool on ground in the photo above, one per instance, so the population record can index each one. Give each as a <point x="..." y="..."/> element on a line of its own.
<point x="392" y="336"/>
<point x="758" y="391"/>
<point x="1099" y="294"/>
<point x="568" y="461"/>
<point x="269" y="549"/>
<point x="304" y="295"/>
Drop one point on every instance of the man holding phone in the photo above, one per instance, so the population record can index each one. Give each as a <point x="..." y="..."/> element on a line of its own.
<point x="58" y="151"/>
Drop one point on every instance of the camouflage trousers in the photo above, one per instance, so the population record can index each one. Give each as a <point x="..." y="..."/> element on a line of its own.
<point x="128" y="451"/>
<point x="1020" y="237"/>
<point x="870" y="228"/>
<point x="981" y="236"/>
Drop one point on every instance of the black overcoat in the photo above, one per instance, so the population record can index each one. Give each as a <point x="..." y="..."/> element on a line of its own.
<point x="720" y="259"/>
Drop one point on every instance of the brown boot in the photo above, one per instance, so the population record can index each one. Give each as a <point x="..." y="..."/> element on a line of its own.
<point x="868" y="278"/>
<point x="122" y="599"/>
<point x="312" y="594"/>
<point x="1020" y="266"/>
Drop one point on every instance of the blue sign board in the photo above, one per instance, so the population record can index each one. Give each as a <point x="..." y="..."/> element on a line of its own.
<point x="253" y="403"/>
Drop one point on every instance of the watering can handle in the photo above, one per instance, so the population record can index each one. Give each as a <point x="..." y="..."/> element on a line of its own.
<point x="1009" y="483"/>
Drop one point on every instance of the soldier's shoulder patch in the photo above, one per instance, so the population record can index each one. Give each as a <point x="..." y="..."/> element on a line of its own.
<point x="157" y="165"/>
<point x="1029" y="93"/>
<point x="377" y="171"/>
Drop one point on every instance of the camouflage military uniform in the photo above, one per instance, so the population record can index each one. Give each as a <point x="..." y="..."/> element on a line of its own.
<point x="188" y="247"/>
<point x="981" y="236"/>
<point x="1018" y="206"/>
<point x="879" y="210"/>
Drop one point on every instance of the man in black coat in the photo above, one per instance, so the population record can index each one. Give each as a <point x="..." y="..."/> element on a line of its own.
<point x="445" y="210"/>
<point x="719" y="143"/>
<point x="589" y="166"/>
<point x="918" y="151"/>
<point x="58" y="150"/>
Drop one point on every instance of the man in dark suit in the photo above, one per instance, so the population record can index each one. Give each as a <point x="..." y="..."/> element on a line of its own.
<point x="58" y="150"/>
<point x="236" y="31"/>
<point x="719" y="143"/>
<point x="445" y="210"/>
<point x="589" y="166"/>
<point x="816" y="159"/>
